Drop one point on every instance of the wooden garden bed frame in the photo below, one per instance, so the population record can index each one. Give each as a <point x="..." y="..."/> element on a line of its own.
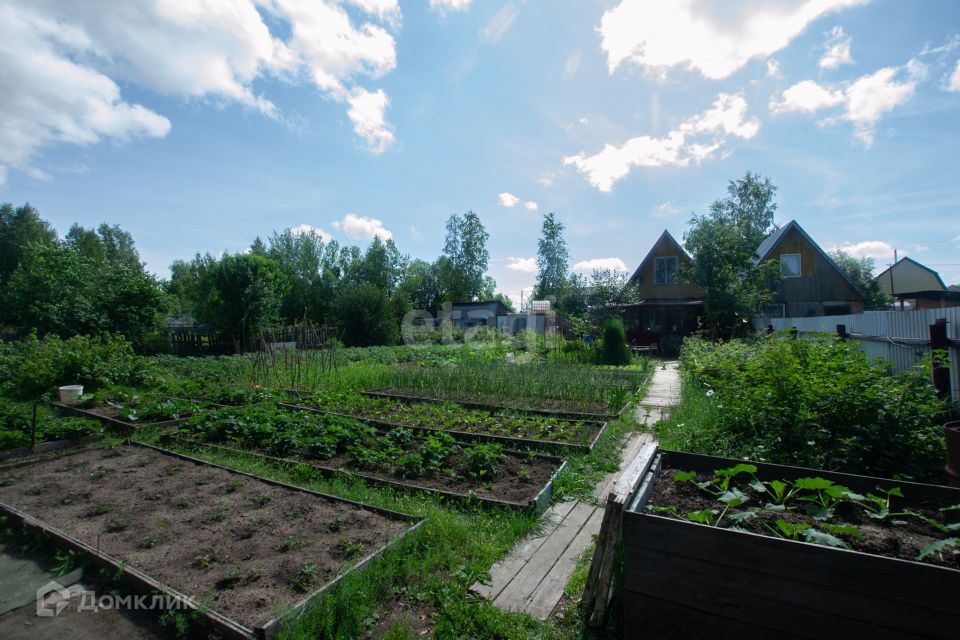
<point x="114" y="422"/>
<point x="688" y="580"/>
<point x="44" y="448"/>
<point x="536" y="504"/>
<point x="141" y="583"/>
<point x="517" y="443"/>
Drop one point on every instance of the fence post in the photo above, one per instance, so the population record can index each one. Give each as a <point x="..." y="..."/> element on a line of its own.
<point x="842" y="331"/>
<point x="941" y="372"/>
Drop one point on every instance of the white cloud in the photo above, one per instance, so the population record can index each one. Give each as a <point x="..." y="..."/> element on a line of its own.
<point x="806" y="96"/>
<point x="714" y="39"/>
<point x="571" y="65"/>
<point x="709" y="129"/>
<point x="367" y="113"/>
<point x="953" y="84"/>
<point x="546" y="179"/>
<point x="836" y="49"/>
<point x="530" y="205"/>
<point x="508" y="199"/>
<point x="876" y="249"/>
<point x="956" y="241"/>
<point x="450" y="5"/>
<point x="919" y="248"/>
<point x="310" y="229"/>
<point x="666" y="210"/>
<point x="415" y="234"/>
<point x="524" y="265"/>
<point x="362" y="227"/>
<point x="64" y="64"/>
<point x="773" y="69"/>
<point x="587" y="266"/>
<point x="864" y="101"/>
<point x="499" y="24"/>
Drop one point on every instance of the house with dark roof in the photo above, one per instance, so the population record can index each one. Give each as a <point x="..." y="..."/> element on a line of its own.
<point x="811" y="284"/>
<point x="920" y="287"/>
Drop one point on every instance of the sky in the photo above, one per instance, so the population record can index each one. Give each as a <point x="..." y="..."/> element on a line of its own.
<point x="198" y="126"/>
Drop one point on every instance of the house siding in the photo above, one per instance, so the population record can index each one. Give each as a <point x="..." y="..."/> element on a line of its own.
<point x="819" y="283"/>
<point x="645" y="278"/>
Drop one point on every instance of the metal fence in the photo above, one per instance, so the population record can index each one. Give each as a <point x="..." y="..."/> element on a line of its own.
<point x="901" y="338"/>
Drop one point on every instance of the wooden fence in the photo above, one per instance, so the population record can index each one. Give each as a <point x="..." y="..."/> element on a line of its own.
<point x="901" y="338"/>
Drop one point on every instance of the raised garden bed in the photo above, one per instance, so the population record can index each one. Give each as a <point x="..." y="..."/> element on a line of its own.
<point x="774" y="573"/>
<point x="47" y="447"/>
<point x="493" y="403"/>
<point x="244" y="551"/>
<point x="400" y="457"/>
<point x="112" y="415"/>
<point x="579" y="436"/>
<point x="508" y="490"/>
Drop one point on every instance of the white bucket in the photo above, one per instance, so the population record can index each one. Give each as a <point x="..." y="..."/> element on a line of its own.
<point x="70" y="392"/>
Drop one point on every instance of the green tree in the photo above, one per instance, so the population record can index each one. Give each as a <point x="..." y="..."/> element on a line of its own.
<point x="20" y="227"/>
<point x="243" y="295"/>
<point x="723" y="245"/>
<point x="366" y="316"/>
<point x="860" y="271"/>
<point x="465" y="258"/>
<point x="553" y="260"/>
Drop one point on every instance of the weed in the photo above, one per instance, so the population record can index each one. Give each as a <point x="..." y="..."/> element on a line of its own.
<point x="304" y="578"/>
<point x="98" y="509"/>
<point x="217" y="515"/>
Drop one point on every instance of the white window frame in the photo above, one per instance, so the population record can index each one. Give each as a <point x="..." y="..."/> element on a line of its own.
<point x="676" y="270"/>
<point x="799" y="273"/>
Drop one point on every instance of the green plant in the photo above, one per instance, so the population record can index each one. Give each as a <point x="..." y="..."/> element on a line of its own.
<point x="483" y="459"/>
<point x="217" y="515"/>
<point x="614" y="348"/>
<point x="304" y="578"/>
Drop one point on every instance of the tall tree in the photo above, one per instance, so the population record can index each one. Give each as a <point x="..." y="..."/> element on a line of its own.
<point x="553" y="259"/>
<point x="20" y="227"/>
<point x="465" y="258"/>
<point x="860" y="271"/>
<point x="723" y="245"/>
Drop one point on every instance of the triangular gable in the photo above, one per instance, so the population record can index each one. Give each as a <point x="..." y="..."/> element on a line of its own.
<point x="773" y="240"/>
<point x="665" y="236"/>
<point x="922" y="266"/>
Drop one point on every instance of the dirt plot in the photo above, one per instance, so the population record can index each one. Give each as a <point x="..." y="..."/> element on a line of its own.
<point x="245" y="548"/>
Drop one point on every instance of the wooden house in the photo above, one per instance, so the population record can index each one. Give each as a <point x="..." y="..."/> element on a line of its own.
<point x="669" y="309"/>
<point x="811" y="283"/>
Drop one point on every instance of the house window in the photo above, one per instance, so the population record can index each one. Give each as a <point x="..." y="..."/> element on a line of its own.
<point x="790" y="265"/>
<point x="665" y="270"/>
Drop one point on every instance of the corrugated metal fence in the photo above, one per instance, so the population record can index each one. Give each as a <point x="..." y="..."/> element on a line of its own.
<point x="901" y="338"/>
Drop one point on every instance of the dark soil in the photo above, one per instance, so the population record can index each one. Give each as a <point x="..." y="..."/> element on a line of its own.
<point x="237" y="544"/>
<point x="598" y="410"/>
<point x="895" y="537"/>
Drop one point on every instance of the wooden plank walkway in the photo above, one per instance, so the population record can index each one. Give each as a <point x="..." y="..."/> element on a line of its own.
<point x="531" y="578"/>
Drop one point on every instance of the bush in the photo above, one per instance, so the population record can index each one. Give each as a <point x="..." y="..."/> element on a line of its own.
<point x="32" y="366"/>
<point x="817" y="402"/>
<point x="614" y="348"/>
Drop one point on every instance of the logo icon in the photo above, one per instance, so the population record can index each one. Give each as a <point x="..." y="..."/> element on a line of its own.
<point x="60" y="594"/>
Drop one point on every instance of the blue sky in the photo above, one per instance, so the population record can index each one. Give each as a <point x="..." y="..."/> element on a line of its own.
<point x="199" y="126"/>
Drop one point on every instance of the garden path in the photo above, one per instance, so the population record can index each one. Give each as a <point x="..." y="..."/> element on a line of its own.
<point x="531" y="578"/>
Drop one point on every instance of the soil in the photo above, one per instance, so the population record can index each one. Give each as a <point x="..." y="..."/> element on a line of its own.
<point x="237" y="544"/>
<point x="549" y="405"/>
<point x="520" y="478"/>
<point x="878" y="537"/>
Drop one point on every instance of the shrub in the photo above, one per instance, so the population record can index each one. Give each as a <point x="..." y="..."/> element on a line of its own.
<point x="817" y="402"/>
<point x="614" y="349"/>
<point x="483" y="460"/>
<point x="33" y="366"/>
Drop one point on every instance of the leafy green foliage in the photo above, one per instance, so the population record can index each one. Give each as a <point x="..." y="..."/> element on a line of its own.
<point x="614" y="349"/>
<point x="483" y="460"/>
<point x="33" y="366"/>
<point x="723" y="246"/>
<point x="816" y="402"/>
<point x="861" y="271"/>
